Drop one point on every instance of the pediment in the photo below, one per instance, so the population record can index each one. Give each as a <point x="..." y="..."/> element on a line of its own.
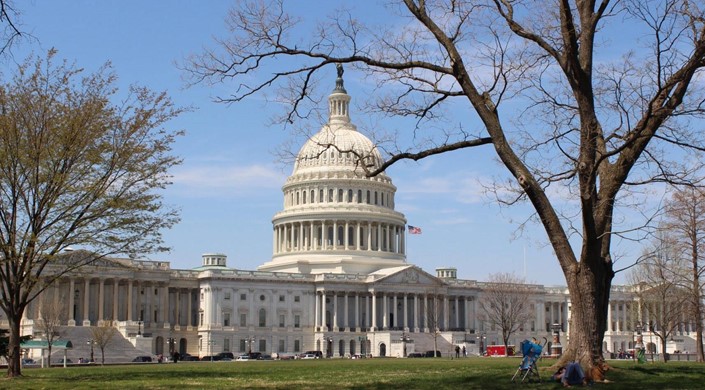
<point x="410" y="275"/>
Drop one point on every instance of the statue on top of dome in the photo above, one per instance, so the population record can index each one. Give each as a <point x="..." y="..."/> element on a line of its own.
<point x="339" y="81"/>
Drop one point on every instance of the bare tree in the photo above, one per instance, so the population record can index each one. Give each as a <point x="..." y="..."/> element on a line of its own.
<point x="101" y="337"/>
<point x="433" y="316"/>
<point x="506" y="304"/>
<point x="524" y="74"/>
<point x="662" y="299"/>
<point x="9" y="29"/>
<point x="52" y="314"/>
<point x="76" y="170"/>
<point x="685" y="224"/>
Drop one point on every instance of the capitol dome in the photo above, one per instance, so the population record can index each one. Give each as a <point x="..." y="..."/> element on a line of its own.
<point x="335" y="218"/>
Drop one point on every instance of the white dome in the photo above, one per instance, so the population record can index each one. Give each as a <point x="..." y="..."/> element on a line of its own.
<point x="336" y="219"/>
<point x="337" y="147"/>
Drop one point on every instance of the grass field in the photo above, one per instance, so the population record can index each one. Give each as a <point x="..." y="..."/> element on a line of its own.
<point x="471" y="373"/>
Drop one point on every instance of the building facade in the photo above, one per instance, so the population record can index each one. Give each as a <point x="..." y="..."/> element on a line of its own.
<point x="338" y="281"/>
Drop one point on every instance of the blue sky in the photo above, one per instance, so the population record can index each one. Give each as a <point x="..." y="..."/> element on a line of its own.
<point x="228" y="187"/>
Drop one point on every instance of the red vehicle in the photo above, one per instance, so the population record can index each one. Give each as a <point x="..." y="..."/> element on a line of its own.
<point x="498" y="350"/>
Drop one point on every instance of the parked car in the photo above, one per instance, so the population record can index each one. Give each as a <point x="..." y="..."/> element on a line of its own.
<point x="61" y="361"/>
<point x="317" y="354"/>
<point x="308" y="356"/>
<point x="417" y="354"/>
<point x="211" y="358"/>
<point x="430" y="354"/>
<point x="142" y="359"/>
<point x="188" y="358"/>
<point x="28" y="362"/>
<point x="242" y="358"/>
<point x="226" y="356"/>
<point x="255" y="355"/>
<point x="265" y="357"/>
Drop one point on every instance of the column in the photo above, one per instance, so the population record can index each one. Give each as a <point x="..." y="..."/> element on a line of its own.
<point x="379" y="237"/>
<point x="402" y="248"/>
<point x="101" y="299"/>
<point x="446" y="312"/>
<point x="457" y="312"/>
<point x="406" y="316"/>
<point x="346" y="324"/>
<point x="324" y="319"/>
<point x="425" y="311"/>
<point x="369" y="237"/>
<point x="346" y="239"/>
<point x="374" y="312"/>
<point x="609" y="316"/>
<point x="466" y="317"/>
<point x="165" y="305"/>
<point x="385" y="311"/>
<point x="86" y="300"/>
<point x="116" y="300"/>
<point x="357" y="311"/>
<point x="302" y="240"/>
<point x="189" y="308"/>
<point x="177" y="308"/>
<point x="70" y="316"/>
<point x="335" y="311"/>
<point x="358" y="236"/>
<point x="416" y="312"/>
<point x="324" y="234"/>
<point x="129" y="300"/>
<point x="317" y="312"/>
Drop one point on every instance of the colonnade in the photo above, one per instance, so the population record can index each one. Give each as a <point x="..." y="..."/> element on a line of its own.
<point x="339" y="235"/>
<point x="88" y="301"/>
<point x="373" y="311"/>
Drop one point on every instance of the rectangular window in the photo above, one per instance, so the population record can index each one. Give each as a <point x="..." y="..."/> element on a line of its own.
<point x="297" y="321"/>
<point x="226" y="296"/>
<point x="242" y="345"/>
<point x="297" y="298"/>
<point x="297" y="345"/>
<point x="282" y="346"/>
<point x="281" y="320"/>
<point x="226" y="345"/>
<point x="226" y="319"/>
<point x="243" y="319"/>
<point x="243" y="297"/>
<point x="262" y="345"/>
<point x="282" y="298"/>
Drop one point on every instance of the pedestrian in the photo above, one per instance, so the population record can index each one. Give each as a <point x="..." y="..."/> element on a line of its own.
<point x="457" y="351"/>
<point x="465" y="352"/>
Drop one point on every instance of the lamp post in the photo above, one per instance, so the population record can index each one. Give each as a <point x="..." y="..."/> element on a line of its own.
<point x="171" y="341"/>
<point x="404" y="338"/>
<point x="481" y="340"/>
<point x="211" y="343"/>
<point x="249" y="341"/>
<point x="91" y="342"/>
<point x="650" y="327"/>
<point x="556" y="347"/>
<point x="330" y="347"/>
<point x="139" y="327"/>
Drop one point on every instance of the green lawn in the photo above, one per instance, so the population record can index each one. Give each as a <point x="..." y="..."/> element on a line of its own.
<point x="471" y="373"/>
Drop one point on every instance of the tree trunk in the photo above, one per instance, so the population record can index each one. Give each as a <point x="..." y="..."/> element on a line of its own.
<point x="589" y="286"/>
<point x="14" y="368"/>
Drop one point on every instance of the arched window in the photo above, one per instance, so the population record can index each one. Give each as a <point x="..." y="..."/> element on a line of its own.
<point x="313" y="196"/>
<point x="382" y="196"/>
<point x="297" y="198"/>
<point x="376" y="199"/>
<point x="359" y="196"/>
<point x="340" y="195"/>
<point x="262" y="317"/>
<point x="351" y="235"/>
<point x="320" y="196"/>
<point x="330" y="195"/>
<point x="341" y="236"/>
<point x="303" y="197"/>
<point x="368" y="196"/>
<point x="350" y="196"/>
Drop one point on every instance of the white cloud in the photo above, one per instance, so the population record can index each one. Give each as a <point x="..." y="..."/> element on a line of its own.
<point x="225" y="180"/>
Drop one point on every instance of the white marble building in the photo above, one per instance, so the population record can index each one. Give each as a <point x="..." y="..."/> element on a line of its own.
<point x="338" y="280"/>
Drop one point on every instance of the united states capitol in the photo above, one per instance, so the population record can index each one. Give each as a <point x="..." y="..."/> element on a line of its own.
<point x="338" y="281"/>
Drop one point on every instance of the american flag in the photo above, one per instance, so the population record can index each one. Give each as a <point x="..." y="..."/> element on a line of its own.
<point x="414" y="230"/>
